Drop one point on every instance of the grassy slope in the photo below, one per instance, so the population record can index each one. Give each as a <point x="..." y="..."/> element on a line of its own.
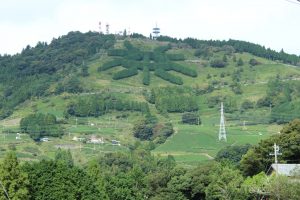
<point x="189" y="145"/>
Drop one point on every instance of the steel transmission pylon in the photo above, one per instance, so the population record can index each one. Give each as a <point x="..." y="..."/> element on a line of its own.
<point x="222" y="131"/>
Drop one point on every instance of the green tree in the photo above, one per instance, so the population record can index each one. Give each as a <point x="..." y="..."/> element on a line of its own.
<point x="256" y="186"/>
<point x="240" y="62"/>
<point x="97" y="174"/>
<point x="64" y="157"/>
<point x="232" y="153"/>
<point x="143" y="130"/>
<point x="191" y="118"/>
<point x="225" y="183"/>
<point x="53" y="180"/>
<point x="253" y="62"/>
<point x="200" y="179"/>
<point x="14" y="182"/>
<point x="257" y="159"/>
<point x="224" y="58"/>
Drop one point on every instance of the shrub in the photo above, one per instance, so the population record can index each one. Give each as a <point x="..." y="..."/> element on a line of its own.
<point x="190" y="118"/>
<point x="168" y="77"/>
<point x="247" y="104"/>
<point x="125" y="73"/>
<point x="217" y="63"/>
<point x="253" y="62"/>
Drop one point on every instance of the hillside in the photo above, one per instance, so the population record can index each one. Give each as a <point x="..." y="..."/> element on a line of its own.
<point x="115" y="88"/>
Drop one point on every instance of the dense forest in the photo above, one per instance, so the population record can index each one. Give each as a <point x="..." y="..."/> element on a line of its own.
<point x="139" y="175"/>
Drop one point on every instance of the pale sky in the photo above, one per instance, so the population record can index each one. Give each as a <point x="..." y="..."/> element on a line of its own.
<point x="272" y="23"/>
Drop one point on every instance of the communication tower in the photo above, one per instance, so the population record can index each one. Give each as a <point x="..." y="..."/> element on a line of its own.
<point x="107" y="29"/>
<point x="222" y="131"/>
<point x="156" y="32"/>
<point x="100" y="28"/>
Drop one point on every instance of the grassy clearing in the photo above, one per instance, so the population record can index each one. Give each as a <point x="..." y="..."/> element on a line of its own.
<point x="194" y="144"/>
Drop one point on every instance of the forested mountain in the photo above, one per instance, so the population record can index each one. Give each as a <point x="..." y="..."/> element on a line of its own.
<point x="129" y="117"/>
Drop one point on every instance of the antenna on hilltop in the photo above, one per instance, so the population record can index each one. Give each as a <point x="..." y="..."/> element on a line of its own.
<point x="222" y="131"/>
<point x="107" y="29"/>
<point x="156" y="32"/>
<point x="128" y="32"/>
<point x="100" y="28"/>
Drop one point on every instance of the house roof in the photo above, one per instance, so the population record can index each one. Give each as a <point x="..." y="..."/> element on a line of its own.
<point x="286" y="169"/>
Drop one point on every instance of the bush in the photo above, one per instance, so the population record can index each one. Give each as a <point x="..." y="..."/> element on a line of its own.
<point x="176" y="57"/>
<point x="125" y="73"/>
<point x="110" y="64"/>
<point x="240" y="62"/>
<point x="143" y="130"/>
<point x="233" y="153"/>
<point x="168" y="77"/>
<point x="191" y="118"/>
<point x="247" y="105"/>
<point x="146" y="76"/>
<point x="217" y="63"/>
<point x="236" y="88"/>
<point x="117" y="52"/>
<point x="184" y="70"/>
<point x="263" y="102"/>
<point x="214" y="101"/>
<point x="253" y="62"/>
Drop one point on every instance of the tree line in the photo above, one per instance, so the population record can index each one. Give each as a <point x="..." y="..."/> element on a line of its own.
<point x="173" y="99"/>
<point x="239" y="46"/>
<point x="38" y="125"/>
<point x="137" y="174"/>
<point x="97" y="105"/>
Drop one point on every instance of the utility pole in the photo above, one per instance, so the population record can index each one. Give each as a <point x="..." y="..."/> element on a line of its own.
<point x="244" y="125"/>
<point x="275" y="154"/>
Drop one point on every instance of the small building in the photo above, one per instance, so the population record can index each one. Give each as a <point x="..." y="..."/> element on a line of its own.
<point x="290" y="170"/>
<point x="45" y="139"/>
<point x="18" y="137"/>
<point x="96" y="140"/>
<point x="78" y="139"/>
<point x="115" y="142"/>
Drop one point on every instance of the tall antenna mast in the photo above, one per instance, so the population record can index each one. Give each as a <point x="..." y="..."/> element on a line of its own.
<point x="100" y="28"/>
<point x="222" y="131"/>
<point x="156" y="32"/>
<point x="128" y="32"/>
<point x="107" y="29"/>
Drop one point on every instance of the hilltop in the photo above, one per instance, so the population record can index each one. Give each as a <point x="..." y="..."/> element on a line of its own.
<point x="131" y="88"/>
